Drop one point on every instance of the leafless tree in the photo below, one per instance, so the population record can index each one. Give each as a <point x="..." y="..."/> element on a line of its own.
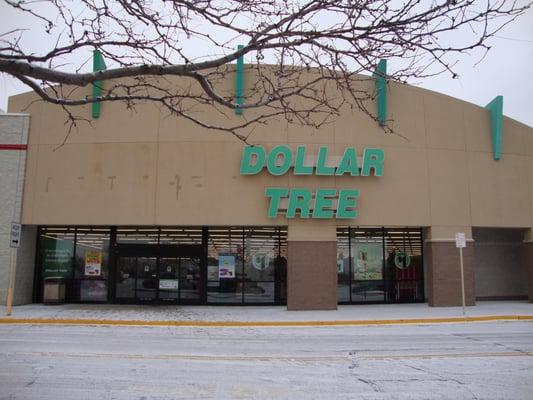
<point x="305" y="58"/>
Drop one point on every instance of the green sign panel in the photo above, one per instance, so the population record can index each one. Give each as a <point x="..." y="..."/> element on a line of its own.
<point x="57" y="257"/>
<point x="319" y="204"/>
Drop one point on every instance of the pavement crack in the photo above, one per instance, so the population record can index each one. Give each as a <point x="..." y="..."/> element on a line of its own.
<point x="354" y="363"/>
<point x="30" y="383"/>
<point x="468" y="337"/>
<point x="433" y="373"/>
<point x="512" y="348"/>
<point x="494" y="343"/>
<point x="372" y="384"/>
<point x="448" y="378"/>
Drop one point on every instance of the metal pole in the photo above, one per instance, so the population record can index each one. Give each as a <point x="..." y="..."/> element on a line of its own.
<point x="13" y="252"/>
<point x="10" y="288"/>
<point x="462" y="279"/>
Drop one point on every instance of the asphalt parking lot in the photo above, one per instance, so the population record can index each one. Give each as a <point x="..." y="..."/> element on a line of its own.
<point x="489" y="360"/>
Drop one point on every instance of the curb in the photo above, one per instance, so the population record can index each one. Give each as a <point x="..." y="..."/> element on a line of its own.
<point x="236" y="324"/>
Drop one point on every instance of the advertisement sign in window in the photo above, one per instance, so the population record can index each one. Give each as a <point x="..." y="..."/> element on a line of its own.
<point x="212" y="276"/>
<point x="368" y="261"/>
<point x="57" y="257"/>
<point x="226" y="267"/>
<point x="261" y="261"/>
<point x="168" y="284"/>
<point x="93" y="263"/>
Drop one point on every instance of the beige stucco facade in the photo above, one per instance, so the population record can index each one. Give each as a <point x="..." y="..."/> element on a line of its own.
<point x="144" y="167"/>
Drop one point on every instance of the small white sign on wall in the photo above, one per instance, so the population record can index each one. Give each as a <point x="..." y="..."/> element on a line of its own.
<point x="460" y="240"/>
<point x="14" y="240"/>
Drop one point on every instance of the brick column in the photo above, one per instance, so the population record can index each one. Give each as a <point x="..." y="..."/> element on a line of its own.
<point x="311" y="267"/>
<point x="444" y="272"/>
<point x="528" y="259"/>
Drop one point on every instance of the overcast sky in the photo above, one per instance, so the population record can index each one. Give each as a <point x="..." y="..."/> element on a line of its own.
<point x="507" y="70"/>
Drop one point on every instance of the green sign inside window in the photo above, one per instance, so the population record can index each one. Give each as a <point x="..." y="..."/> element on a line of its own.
<point x="57" y="257"/>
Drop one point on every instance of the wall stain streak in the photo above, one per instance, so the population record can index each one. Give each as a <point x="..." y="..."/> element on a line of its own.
<point x="112" y="181"/>
<point x="176" y="182"/>
<point x="47" y="185"/>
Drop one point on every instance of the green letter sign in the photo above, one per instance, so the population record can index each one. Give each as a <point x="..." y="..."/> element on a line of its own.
<point x="246" y="162"/>
<point x="280" y="160"/>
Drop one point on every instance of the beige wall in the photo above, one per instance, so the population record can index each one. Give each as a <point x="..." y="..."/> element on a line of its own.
<point x="144" y="167"/>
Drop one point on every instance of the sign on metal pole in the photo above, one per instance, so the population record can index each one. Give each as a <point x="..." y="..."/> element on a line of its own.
<point x="460" y="240"/>
<point x="460" y="243"/>
<point x="14" y="240"/>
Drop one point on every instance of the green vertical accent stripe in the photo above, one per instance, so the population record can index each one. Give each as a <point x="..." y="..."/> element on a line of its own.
<point x="98" y="65"/>
<point x="239" y="82"/>
<point x="495" y="108"/>
<point x="380" y="77"/>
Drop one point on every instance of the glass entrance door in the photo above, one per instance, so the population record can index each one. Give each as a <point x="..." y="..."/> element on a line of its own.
<point x="126" y="279"/>
<point x="190" y="280"/>
<point x="147" y="279"/>
<point x="169" y="280"/>
<point x="174" y="280"/>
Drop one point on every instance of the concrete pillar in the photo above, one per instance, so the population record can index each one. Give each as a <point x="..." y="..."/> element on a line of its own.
<point x="528" y="259"/>
<point x="443" y="267"/>
<point x="311" y="266"/>
<point x="13" y="137"/>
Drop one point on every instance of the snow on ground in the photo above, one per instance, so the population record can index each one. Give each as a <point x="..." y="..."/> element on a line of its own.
<point x="447" y="361"/>
<point x="265" y="313"/>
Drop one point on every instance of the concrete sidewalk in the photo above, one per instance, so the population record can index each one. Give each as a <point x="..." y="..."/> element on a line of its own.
<point x="264" y="316"/>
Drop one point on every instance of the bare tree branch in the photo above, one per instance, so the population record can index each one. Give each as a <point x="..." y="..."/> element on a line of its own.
<point x="307" y="58"/>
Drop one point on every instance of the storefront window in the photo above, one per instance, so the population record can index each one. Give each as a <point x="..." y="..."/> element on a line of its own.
<point x="259" y="292"/>
<point x="192" y="235"/>
<point x="261" y="257"/>
<point x="80" y="256"/>
<point x="189" y="279"/>
<point x="366" y="249"/>
<point x="343" y="265"/>
<point x="138" y="235"/>
<point x="261" y="248"/>
<point x="224" y="265"/>
<point x="126" y="277"/>
<point x="92" y="263"/>
<point x="383" y="265"/>
<point x="404" y="266"/>
<point x="181" y="265"/>
<point x="247" y="265"/>
<point x="281" y="274"/>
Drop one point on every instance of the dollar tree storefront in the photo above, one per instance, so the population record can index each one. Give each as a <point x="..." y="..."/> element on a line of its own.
<point x="239" y="265"/>
<point x="142" y="207"/>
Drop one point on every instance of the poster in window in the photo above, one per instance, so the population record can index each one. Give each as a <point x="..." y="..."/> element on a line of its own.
<point x="212" y="276"/>
<point x="367" y="261"/>
<point x="340" y="266"/>
<point x="226" y="267"/>
<point x="168" y="284"/>
<point x="93" y="263"/>
<point x="261" y="261"/>
<point x="57" y="257"/>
